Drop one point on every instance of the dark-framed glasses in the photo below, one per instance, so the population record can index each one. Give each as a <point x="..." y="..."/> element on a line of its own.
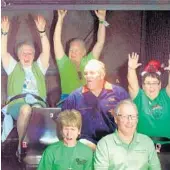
<point x="127" y="117"/>
<point x="151" y="83"/>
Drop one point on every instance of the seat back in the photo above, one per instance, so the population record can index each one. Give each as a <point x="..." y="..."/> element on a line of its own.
<point x="41" y="131"/>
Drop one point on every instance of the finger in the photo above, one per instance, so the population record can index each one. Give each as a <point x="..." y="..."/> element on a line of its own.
<point x="139" y="64"/>
<point x="96" y="12"/>
<point x="129" y="56"/>
<point x="167" y="68"/>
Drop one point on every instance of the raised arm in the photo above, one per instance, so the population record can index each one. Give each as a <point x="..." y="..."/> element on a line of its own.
<point x="5" y="56"/>
<point x="133" y="84"/>
<point x="58" y="47"/>
<point x="101" y="14"/>
<point x="45" y="54"/>
<point x="168" y="85"/>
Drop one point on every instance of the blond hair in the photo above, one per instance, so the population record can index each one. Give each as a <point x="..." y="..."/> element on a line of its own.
<point x="93" y="63"/>
<point x="69" y="118"/>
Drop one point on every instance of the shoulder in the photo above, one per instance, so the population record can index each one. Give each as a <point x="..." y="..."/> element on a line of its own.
<point x="120" y="90"/>
<point x="140" y="94"/>
<point x="106" y="140"/>
<point x="51" y="148"/>
<point x="144" y="139"/>
<point x="83" y="146"/>
<point x="63" y="61"/>
<point x="84" y="149"/>
<point x="163" y="92"/>
<point x="76" y="92"/>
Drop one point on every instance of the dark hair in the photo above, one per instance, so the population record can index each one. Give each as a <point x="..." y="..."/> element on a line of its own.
<point x="151" y="74"/>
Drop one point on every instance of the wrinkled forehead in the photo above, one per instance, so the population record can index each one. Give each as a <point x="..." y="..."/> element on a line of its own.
<point x="127" y="109"/>
<point x="77" y="44"/>
<point x="151" y="79"/>
<point x="70" y="126"/>
<point x="92" y="68"/>
<point x="95" y="65"/>
<point x="25" y="48"/>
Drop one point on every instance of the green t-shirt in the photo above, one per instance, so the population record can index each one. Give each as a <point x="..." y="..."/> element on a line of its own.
<point x="154" y="115"/>
<point x="68" y="74"/>
<point x="60" y="157"/>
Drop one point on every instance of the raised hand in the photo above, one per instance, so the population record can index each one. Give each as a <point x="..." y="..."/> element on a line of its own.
<point x="5" y="23"/>
<point x="40" y="23"/>
<point x="61" y="13"/>
<point x="168" y="67"/>
<point x="133" y="61"/>
<point x="101" y="14"/>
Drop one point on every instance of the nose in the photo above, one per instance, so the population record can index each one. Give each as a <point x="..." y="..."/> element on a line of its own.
<point x="68" y="133"/>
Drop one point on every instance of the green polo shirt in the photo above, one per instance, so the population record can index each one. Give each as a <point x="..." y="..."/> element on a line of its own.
<point x="113" y="154"/>
<point x="68" y="74"/>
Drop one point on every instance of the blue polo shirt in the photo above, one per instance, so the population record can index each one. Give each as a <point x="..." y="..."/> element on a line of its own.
<point x="97" y="120"/>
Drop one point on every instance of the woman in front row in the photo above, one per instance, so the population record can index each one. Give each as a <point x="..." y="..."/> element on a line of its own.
<point x="68" y="153"/>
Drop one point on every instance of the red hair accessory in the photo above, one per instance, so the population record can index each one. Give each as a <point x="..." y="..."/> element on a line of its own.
<point x="154" y="66"/>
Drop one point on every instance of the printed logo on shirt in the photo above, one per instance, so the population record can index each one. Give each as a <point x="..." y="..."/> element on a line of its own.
<point x="140" y="150"/>
<point x="80" y="161"/>
<point x="157" y="111"/>
<point x="111" y="99"/>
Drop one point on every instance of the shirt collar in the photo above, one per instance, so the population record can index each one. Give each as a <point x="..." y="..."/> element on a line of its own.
<point x="107" y="86"/>
<point x="118" y="140"/>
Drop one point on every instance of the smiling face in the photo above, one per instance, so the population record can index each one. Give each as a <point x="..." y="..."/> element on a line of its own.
<point x="77" y="51"/>
<point x="26" y="55"/>
<point x="127" y="119"/>
<point x="151" y="87"/>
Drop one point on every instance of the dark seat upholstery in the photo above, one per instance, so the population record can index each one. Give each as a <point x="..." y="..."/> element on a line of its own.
<point x="41" y="132"/>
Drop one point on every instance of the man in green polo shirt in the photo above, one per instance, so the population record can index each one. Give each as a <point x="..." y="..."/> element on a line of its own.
<point x="71" y="67"/>
<point x="126" y="149"/>
<point x="153" y="104"/>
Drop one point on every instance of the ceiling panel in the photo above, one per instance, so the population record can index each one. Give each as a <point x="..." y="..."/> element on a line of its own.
<point x="87" y="4"/>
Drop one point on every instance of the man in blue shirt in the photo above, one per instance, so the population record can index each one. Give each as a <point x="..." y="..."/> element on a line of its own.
<point x="95" y="101"/>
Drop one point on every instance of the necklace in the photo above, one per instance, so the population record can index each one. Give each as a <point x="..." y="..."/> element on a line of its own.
<point x="72" y="156"/>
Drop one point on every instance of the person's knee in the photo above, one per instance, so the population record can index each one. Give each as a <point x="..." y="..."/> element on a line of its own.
<point x="25" y="109"/>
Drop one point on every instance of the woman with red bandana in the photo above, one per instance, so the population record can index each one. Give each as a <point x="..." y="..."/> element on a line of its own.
<point x="153" y="104"/>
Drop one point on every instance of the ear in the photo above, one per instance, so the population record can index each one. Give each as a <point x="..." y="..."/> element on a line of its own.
<point x="84" y="52"/>
<point x="102" y="75"/>
<point x="115" y="118"/>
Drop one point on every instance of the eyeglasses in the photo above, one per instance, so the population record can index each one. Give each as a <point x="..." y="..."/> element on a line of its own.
<point x="127" y="117"/>
<point x="151" y="84"/>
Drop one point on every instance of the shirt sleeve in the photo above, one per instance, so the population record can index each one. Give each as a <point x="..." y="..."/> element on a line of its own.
<point x="70" y="102"/>
<point x="101" y="157"/>
<point x="11" y="66"/>
<point x="86" y="59"/>
<point x="154" y="163"/>
<point x="43" y="70"/>
<point x="46" y="161"/>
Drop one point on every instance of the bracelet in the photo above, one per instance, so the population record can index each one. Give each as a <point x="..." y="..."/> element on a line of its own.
<point x="105" y="23"/>
<point x="4" y="33"/>
<point x="41" y="31"/>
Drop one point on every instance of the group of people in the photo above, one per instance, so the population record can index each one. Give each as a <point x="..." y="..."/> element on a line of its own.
<point x="97" y="117"/>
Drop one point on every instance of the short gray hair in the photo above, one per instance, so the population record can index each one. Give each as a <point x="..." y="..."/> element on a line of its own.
<point x="95" y="63"/>
<point x="125" y="102"/>
<point x="21" y="44"/>
<point x="81" y="41"/>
